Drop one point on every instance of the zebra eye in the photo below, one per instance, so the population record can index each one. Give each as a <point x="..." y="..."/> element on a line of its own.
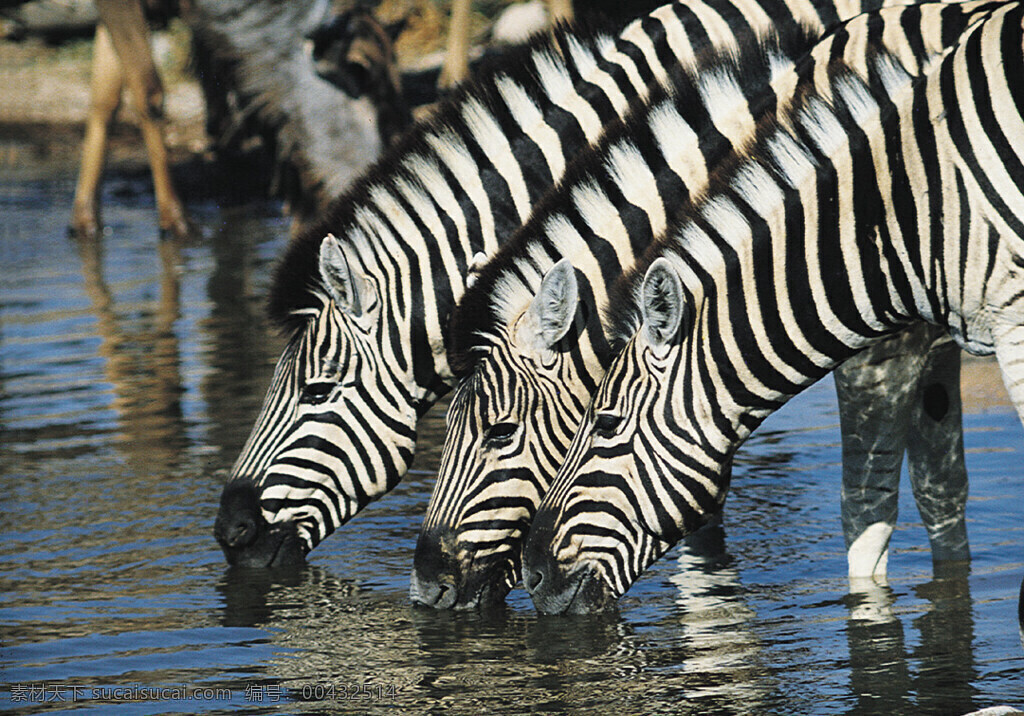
<point x="315" y="393"/>
<point x="607" y="424"/>
<point x="500" y="434"/>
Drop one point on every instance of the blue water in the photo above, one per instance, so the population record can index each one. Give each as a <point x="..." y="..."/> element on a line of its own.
<point x="130" y="372"/>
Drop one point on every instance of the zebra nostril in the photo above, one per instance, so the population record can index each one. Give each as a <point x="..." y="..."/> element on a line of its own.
<point x="242" y="533"/>
<point x="446" y="597"/>
<point x="533" y="581"/>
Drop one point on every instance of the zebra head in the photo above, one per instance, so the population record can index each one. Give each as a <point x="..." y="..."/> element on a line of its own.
<point x="509" y="424"/>
<point x="337" y="428"/>
<point x="639" y="474"/>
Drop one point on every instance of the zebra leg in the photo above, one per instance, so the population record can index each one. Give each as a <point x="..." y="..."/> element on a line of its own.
<point x="876" y="389"/>
<point x="1009" y="343"/>
<point x="935" y="451"/>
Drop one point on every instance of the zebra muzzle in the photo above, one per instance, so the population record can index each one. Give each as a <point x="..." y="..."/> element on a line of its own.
<point x="246" y="538"/>
<point x="440" y="580"/>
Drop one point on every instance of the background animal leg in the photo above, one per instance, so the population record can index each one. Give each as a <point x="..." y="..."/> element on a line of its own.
<point x="876" y="390"/>
<point x="935" y="451"/>
<point x="559" y="10"/>
<point x="130" y="36"/>
<point x="456" y="59"/>
<point x="104" y="98"/>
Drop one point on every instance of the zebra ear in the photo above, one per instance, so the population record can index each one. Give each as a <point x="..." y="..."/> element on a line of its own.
<point x="551" y="311"/>
<point x="662" y="303"/>
<point x="337" y="276"/>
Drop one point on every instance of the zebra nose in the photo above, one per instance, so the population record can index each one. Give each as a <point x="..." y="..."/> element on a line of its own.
<point x="435" y="573"/>
<point x="538" y="560"/>
<point x="239" y="533"/>
<point x="239" y="518"/>
<point x="432" y="594"/>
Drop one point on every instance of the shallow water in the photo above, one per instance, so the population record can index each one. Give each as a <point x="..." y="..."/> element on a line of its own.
<point x="130" y="373"/>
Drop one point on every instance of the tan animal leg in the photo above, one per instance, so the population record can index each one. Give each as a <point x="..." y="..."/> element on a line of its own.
<point x="125" y="30"/>
<point x="456" y="59"/>
<point x="104" y="98"/>
<point x="559" y="10"/>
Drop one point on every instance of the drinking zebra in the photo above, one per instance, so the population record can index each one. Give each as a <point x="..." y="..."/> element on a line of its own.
<point x="366" y="306"/>
<point x="878" y="200"/>
<point x="529" y="344"/>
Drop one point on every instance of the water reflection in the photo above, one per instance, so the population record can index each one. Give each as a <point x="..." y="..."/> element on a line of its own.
<point x="724" y="653"/>
<point x="936" y="675"/>
<point x="239" y="347"/>
<point x="143" y="363"/>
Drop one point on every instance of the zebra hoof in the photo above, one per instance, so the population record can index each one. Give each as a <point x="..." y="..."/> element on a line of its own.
<point x="246" y="538"/>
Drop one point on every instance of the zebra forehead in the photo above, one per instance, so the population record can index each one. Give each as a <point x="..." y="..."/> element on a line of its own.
<point x="509" y="295"/>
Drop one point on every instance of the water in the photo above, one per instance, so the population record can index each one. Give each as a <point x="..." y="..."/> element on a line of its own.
<point x="130" y="373"/>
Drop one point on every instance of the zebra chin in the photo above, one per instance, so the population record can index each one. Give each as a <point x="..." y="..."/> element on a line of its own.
<point x="245" y="536"/>
<point x="440" y="581"/>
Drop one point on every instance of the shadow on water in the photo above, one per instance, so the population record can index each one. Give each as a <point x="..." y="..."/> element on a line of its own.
<point x="131" y="370"/>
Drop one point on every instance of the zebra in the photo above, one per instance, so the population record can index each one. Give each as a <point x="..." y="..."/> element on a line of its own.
<point x="530" y="347"/>
<point x="878" y="200"/>
<point x="365" y="292"/>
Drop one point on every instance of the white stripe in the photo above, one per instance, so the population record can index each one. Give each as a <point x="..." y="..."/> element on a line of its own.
<point x="558" y="85"/>
<point x="679" y="145"/>
<point x="493" y="142"/>
<point x="433" y="183"/>
<point x="529" y="117"/>
<point x="456" y="157"/>
<point x="633" y="176"/>
<point x="603" y="219"/>
<point x="589" y="70"/>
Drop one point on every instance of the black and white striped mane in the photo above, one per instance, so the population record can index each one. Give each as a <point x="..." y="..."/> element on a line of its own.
<point x="296" y="281"/>
<point x="623" y="313"/>
<point x="509" y="278"/>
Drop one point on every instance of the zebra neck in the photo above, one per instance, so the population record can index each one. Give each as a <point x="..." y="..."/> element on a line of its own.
<point x="865" y="219"/>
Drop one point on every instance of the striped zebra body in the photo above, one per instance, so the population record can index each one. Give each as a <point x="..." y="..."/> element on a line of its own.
<point x="528" y="336"/>
<point x="880" y="200"/>
<point x="366" y="293"/>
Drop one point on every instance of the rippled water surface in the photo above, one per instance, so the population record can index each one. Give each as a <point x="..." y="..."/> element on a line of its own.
<point x="130" y="373"/>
